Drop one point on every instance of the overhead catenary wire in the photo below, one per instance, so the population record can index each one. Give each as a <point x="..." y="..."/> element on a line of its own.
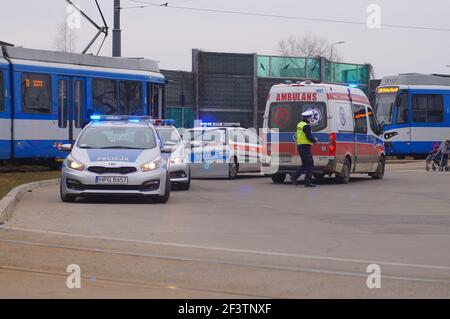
<point x="169" y="4"/>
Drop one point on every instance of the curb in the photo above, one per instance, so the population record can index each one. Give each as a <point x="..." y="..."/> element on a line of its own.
<point x="9" y="202"/>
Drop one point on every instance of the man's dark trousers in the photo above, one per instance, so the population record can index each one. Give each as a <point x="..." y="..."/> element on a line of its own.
<point x="307" y="167"/>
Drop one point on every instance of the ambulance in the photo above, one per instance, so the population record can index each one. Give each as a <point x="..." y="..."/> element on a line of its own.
<point x="343" y="121"/>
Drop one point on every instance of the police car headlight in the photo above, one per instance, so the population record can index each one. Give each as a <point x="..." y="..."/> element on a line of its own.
<point x="74" y="164"/>
<point x="175" y="161"/>
<point x="150" y="166"/>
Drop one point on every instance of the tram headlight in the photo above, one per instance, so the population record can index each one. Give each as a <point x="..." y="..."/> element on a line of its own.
<point x="74" y="164"/>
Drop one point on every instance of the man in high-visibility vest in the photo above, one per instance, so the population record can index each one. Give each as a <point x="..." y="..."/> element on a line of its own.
<point x="304" y="141"/>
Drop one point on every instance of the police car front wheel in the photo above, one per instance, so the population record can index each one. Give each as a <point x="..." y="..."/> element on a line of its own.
<point x="233" y="169"/>
<point x="163" y="198"/>
<point x="65" y="197"/>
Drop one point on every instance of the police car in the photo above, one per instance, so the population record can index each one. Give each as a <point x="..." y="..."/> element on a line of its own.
<point x="115" y="155"/>
<point x="223" y="150"/>
<point x="174" y="152"/>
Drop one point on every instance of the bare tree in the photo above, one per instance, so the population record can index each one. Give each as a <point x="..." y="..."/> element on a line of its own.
<point x="310" y="45"/>
<point x="66" y="38"/>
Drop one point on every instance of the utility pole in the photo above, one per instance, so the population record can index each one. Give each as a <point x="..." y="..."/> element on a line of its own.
<point x="117" y="36"/>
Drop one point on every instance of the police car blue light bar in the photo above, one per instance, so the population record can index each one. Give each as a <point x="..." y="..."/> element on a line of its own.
<point x="130" y="118"/>
<point x="353" y="85"/>
<point x="220" y="124"/>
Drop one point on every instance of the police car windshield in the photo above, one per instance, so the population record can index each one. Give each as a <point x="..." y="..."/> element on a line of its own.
<point x="117" y="138"/>
<point x="168" y="136"/>
<point x="286" y="116"/>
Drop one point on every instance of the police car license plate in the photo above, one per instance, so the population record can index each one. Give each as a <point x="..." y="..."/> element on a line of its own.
<point x="111" y="180"/>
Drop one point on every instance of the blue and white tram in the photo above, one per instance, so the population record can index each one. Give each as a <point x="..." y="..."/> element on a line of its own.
<point x="46" y="97"/>
<point x="415" y="111"/>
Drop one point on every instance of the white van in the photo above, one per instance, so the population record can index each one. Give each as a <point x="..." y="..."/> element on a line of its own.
<point x="343" y="121"/>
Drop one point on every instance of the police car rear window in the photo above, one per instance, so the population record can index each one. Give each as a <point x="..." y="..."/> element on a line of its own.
<point x="286" y="116"/>
<point x="168" y="136"/>
<point x="117" y="138"/>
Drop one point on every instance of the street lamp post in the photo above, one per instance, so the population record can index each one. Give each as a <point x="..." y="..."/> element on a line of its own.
<point x="331" y="58"/>
<point x="332" y="47"/>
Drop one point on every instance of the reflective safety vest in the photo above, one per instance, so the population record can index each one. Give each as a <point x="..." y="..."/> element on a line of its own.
<point x="301" y="136"/>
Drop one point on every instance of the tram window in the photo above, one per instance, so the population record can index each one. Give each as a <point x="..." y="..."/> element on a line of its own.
<point x="428" y="108"/>
<point x="360" y="116"/>
<point x="104" y="96"/>
<point x="2" y="93"/>
<point x="36" y="93"/>
<point x="79" y="103"/>
<point x="62" y="103"/>
<point x="402" y="111"/>
<point x="131" y="98"/>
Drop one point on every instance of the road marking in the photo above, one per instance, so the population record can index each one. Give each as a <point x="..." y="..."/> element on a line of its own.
<point x="227" y="263"/>
<point x="230" y="250"/>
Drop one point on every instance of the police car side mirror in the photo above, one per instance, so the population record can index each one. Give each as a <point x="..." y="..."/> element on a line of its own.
<point x="66" y="147"/>
<point x="167" y="149"/>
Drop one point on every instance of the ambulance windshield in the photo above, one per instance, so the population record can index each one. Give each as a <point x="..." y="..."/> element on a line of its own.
<point x="286" y="115"/>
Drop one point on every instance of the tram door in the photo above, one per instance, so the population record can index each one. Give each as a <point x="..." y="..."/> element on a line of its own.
<point x="71" y="99"/>
<point x="155" y="100"/>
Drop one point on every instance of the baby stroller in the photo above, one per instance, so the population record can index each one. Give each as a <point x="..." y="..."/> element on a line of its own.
<point x="439" y="157"/>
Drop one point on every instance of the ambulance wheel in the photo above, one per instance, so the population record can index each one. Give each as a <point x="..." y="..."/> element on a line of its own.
<point x="66" y="198"/>
<point x="279" y="178"/>
<point x="344" y="176"/>
<point x="233" y="169"/>
<point x="319" y="177"/>
<point x="379" y="174"/>
<point x="164" y="198"/>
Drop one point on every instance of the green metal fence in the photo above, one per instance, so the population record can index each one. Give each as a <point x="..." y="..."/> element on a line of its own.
<point x="311" y="69"/>
<point x="183" y="116"/>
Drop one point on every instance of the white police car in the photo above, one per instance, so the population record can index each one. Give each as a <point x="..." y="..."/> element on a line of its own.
<point x="115" y="155"/>
<point x="223" y="150"/>
<point x="174" y="152"/>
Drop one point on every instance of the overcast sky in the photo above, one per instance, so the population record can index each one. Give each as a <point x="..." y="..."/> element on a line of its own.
<point x="168" y="35"/>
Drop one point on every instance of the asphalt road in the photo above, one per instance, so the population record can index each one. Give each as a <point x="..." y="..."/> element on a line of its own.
<point x="238" y="239"/>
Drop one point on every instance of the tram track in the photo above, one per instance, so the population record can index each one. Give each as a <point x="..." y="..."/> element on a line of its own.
<point x="216" y="262"/>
